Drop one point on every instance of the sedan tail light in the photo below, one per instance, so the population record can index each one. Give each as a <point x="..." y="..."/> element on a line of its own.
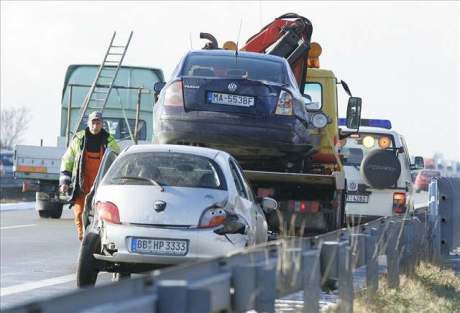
<point x="212" y="217"/>
<point x="399" y="202"/>
<point x="173" y="95"/>
<point x="108" y="212"/>
<point x="285" y="104"/>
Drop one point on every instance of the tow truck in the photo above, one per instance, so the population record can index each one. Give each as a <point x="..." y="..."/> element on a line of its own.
<point x="311" y="199"/>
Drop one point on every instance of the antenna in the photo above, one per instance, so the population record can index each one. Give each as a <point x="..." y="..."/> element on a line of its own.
<point x="238" y="40"/>
<point x="239" y="34"/>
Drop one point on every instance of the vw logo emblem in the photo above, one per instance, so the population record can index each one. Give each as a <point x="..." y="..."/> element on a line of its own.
<point x="353" y="186"/>
<point x="232" y="87"/>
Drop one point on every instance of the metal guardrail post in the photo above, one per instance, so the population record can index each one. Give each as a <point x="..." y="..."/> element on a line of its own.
<point x="345" y="303"/>
<point x="199" y="301"/>
<point x="372" y="269"/>
<point x="449" y="214"/>
<point x="266" y="288"/>
<point x="172" y="289"/>
<point x="358" y="249"/>
<point x="381" y="235"/>
<point x="244" y="285"/>
<point x="254" y="287"/>
<point x="328" y="262"/>
<point x="392" y="253"/>
<point x="406" y="244"/>
<point x="311" y="281"/>
<point x="422" y="247"/>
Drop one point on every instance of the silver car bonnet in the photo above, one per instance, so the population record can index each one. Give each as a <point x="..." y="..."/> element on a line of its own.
<point x="184" y="205"/>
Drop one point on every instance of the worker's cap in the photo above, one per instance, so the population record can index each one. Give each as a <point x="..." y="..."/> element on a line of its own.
<point x="96" y="115"/>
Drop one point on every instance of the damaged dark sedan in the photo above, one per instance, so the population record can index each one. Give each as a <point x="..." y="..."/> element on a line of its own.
<point x="247" y="104"/>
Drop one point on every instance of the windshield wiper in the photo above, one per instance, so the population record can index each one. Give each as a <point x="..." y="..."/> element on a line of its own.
<point x="152" y="181"/>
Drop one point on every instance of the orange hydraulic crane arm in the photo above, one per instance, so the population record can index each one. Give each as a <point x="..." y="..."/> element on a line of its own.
<point x="287" y="36"/>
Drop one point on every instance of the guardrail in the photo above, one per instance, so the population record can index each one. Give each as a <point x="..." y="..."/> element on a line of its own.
<point x="254" y="278"/>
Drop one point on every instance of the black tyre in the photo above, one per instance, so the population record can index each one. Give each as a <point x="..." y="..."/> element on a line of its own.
<point x="57" y="212"/>
<point x="47" y="209"/>
<point x="87" y="269"/>
<point x="44" y="214"/>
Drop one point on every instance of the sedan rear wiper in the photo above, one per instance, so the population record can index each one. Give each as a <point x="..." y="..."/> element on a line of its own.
<point x="152" y="181"/>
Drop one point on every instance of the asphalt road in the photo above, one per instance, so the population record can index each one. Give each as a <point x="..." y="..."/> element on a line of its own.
<point x="38" y="256"/>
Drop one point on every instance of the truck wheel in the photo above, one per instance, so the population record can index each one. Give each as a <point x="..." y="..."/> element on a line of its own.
<point x="87" y="269"/>
<point x="47" y="209"/>
<point x="57" y="212"/>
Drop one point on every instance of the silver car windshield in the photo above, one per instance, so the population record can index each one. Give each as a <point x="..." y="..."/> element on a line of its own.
<point x="166" y="169"/>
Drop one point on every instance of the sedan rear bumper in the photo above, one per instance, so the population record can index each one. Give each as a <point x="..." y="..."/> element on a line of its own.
<point x="241" y="137"/>
<point x="202" y="243"/>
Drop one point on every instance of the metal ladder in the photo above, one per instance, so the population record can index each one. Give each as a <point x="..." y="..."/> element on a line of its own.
<point x="99" y="92"/>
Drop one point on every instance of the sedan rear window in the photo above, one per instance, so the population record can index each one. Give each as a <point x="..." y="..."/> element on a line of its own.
<point x="166" y="169"/>
<point x="230" y="66"/>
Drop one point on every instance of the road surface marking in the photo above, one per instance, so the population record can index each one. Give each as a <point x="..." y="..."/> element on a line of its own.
<point x="17" y="226"/>
<point x="6" y="291"/>
<point x="17" y="206"/>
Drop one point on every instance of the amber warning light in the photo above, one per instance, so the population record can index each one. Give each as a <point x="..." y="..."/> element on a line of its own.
<point x="313" y="55"/>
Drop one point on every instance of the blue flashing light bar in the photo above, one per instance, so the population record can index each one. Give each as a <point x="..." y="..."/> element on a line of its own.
<point x="369" y="122"/>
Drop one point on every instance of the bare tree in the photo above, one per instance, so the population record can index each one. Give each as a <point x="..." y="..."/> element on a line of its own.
<point x="13" y="125"/>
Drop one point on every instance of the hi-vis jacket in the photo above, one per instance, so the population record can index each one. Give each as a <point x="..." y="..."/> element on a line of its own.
<point x="72" y="164"/>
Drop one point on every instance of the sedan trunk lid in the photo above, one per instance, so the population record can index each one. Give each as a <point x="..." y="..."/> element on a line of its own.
<point x="184" y="206"/>
<point x="199" y="92"/>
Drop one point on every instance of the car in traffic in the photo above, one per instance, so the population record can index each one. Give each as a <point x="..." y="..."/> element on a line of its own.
<point x="378" y="172"/>
<point x="423" y="179"/>
<point x="8" y="183"/>
<point x="248" y="104"/>
<point x="159" y="205"/>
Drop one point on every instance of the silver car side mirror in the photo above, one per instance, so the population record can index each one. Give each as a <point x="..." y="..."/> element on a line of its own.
<point x="269" y="205"/>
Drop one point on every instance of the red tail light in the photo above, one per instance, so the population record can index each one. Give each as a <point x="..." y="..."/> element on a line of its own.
<point x="399" y="202"/>
<point x="285" y="104"/>
<point x="108" y="212"/>
<point x="303" y="206"/>
<point x="173" y="95"/>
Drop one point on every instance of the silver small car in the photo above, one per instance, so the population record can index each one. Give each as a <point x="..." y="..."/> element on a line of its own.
<point x="160" y="205"/>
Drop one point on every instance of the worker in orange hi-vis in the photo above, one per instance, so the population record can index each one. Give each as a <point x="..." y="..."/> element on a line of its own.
<point x="81" y="162"/>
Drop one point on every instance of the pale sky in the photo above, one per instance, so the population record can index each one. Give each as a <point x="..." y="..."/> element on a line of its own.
<point x="401" y="58"/>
